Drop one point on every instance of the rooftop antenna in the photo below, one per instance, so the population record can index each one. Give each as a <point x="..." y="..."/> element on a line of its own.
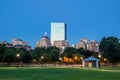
<point x="45" y="33"/>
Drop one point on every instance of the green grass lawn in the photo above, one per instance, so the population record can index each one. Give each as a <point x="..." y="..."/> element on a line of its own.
<point x="111" y="68"/>
<point x="35" y="73"/>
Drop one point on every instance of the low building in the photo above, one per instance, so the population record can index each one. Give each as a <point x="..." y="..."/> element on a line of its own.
<point x="7" y="44"/>
<point x="18" y="43"/>
<point x="90" y="62"/>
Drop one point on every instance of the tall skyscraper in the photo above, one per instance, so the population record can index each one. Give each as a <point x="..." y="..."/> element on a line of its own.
<point x="58" y="31"/>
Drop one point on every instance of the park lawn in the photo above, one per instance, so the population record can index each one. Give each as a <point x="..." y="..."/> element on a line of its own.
<point x="111" y="68"/>
<point x="28" y="73"/>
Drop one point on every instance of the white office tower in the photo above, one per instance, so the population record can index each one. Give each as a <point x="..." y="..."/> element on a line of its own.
<point x="58" y="32"/>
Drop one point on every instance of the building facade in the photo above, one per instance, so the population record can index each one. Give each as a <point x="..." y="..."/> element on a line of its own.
<point x="82" y="44"/>
<point x="61" y="44"/>
<point x="18" y="43"/>
<point x="58" y="32"/>
<point x="44" y="42"/>
<point x="93" y="45"/>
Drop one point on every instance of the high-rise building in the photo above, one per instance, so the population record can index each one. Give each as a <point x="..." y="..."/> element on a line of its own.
<point x="93" y="46"/>
<point x="82" y="44"/>
<point x="58" y="31"/>
<point x="44" y="41"/>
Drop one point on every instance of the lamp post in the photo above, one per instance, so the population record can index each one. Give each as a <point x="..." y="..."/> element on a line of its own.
<point x="17" y="55"/>
<point x="60" y="59"/>
<point x="42" y="57"/>
<point x="81" y="58"/>
<point x="99" y="61"/>
<point x="81" y="61"/>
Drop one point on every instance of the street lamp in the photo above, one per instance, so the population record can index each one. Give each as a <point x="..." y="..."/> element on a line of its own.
<point x="34" y="61"/>
<point x="100" y="60"/>
<point x="81" y="58"/>
<point x="42" y="57"/>
<point x="75" y="58"/>
<point x="17" y="55"/>
<point x="60" y="59"/>
<point x="81" y="61"/>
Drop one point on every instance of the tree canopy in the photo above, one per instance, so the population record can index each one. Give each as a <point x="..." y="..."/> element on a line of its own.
<point x="110" y="48"/>
<point x="69" y="51"/>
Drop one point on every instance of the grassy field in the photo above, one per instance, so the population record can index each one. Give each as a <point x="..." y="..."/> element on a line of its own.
<point x="35" y="73"/>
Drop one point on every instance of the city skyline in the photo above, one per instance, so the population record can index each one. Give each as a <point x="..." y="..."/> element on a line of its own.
<point x="28" y="19"/>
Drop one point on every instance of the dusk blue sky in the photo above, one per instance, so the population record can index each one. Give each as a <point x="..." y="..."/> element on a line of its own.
<point x="29" y="19"/>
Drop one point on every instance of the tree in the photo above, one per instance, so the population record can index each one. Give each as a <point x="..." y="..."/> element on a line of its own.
<point x="45" y="58"/>
<point x="22" y="52"/>
<point x="86" y="53"/>
<point x="81" y="50"/>
<point x="9" y="55"/>
<point x="54" y="53"/>
<point x="109" y="47"/>
<point x="39" y="51"/>
<point x="95" y="54"/>
<point x="2" y="51"/>
<point x="69" y="51"/>
<point x="27" y="57"/>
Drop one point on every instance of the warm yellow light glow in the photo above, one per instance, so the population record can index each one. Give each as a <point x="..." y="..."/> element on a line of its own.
<point x="34" y="60"/>
<point x="60" y="59"/>
<point x="99" y="55"/>
<point x="65" y="59"/>
<point x="17" y="55"/>
<point x="75" y="57"/>
<point x="42" y="57"/>
<point x="105" y="59"/>
<point x="81" y="58"/>
<point x="70" y="60"/>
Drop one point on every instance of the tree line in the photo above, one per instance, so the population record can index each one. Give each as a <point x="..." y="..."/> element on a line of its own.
<point x="39" y="54"/>
<point x="109" y="49"/>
